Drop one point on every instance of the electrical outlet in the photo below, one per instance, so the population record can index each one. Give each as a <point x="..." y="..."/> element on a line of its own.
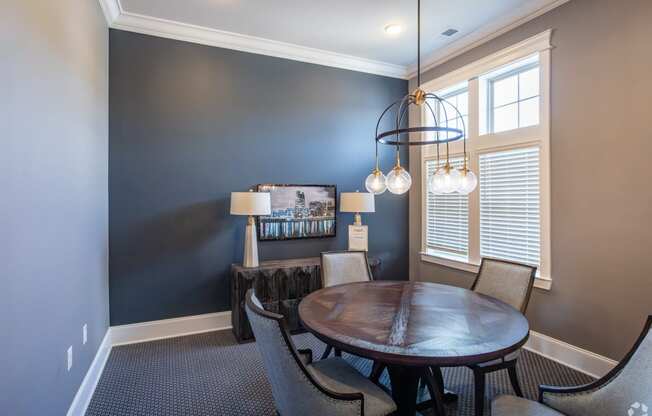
<point x="69" y="358"/>
<point x="85" y="333"/>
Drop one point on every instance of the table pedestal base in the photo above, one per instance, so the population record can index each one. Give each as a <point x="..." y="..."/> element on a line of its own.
<point x="405" y="389"/>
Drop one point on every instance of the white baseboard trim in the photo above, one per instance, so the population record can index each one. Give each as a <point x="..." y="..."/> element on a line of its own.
<point x="85" y="393"/>
<point x="169" y="328"/>
<point x="569" y="355"/>
<point x="142" y="332"/>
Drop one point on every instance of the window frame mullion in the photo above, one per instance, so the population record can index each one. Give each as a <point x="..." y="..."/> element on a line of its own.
<point x="473" y="135"/>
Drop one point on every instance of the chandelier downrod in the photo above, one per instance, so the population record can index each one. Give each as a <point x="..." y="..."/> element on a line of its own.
<point x="418" y="43"/>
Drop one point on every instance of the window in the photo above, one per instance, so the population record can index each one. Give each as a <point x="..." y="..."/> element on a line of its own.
<point x="447" y="225"/>
<point x="447" y="116"/>
<point x="509" y="205"/>
<point x="504" y="103"/>
<point x="513" y="96"/>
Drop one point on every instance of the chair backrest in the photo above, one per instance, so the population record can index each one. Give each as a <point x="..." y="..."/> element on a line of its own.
<point x="628" y="387"/>
<point x="505" y="280"/>
<point x="295" y="390"/>
<point x="339" y="267"/>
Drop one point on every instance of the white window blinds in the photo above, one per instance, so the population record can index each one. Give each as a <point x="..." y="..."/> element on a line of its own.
<point x="447" y="218"/>
<point x="510" y="226"/>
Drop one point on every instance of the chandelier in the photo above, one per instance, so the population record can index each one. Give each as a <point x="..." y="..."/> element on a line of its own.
<point x="446" y="179"/>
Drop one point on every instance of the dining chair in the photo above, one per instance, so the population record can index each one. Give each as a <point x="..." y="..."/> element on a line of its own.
<point x="301" y="387"/>
<point x="340" y="267"/>
<point x="511" y="283"/>
<point x="625" y="390"/>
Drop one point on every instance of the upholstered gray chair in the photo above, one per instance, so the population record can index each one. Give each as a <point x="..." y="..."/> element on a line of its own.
<point x="301" y="387"/>
<point x="625" y="390"/>
<point x="340" y="267"/>
<point x="511" y="283"/>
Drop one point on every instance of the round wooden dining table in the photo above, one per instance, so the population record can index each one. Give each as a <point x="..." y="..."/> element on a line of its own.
<point x="412" y="327"/>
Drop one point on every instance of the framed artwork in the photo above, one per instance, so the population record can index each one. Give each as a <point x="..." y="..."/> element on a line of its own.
<point x="298" y="211"/>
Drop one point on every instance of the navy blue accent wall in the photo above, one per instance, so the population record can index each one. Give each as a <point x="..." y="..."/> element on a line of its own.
<point x="191" y="123"/>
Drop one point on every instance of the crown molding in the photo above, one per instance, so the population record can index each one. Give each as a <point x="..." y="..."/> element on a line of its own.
<point x="486" y="33"/>
<point x="118" y="18"/>
<point x="537" y="43"/>
<point x="111" y="9"/>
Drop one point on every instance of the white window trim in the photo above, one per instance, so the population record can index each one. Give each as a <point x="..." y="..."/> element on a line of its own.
<point x="465" y="265"/>
<point x="521" y="137"/>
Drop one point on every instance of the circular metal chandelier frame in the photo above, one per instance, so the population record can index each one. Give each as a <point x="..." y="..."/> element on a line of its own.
<point x="403" y="107"/>
<point x="419" y="97"/>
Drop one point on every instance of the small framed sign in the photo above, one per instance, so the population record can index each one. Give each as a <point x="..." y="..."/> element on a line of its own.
<point x="358" y="237"/>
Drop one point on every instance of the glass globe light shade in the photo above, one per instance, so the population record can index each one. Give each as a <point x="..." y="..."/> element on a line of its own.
<point x="468" y="182"/>
<point x="376" y="183"/>
<point x="449" y="180"/>
<point x="398" y="180"/>
<point x="435" y="182"/>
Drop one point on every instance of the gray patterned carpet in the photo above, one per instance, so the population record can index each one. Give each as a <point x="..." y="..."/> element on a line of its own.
<point x="212" y="375"/>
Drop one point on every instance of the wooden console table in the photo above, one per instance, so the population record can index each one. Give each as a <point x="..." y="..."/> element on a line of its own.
<point x="280" y="285"/>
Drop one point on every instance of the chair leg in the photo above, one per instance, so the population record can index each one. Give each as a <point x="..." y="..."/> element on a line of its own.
<point x="513" y="378"/>
<point x="327" y="352"/>
<point x="338" y="353"/>
<point x="376" y="371"/>
<point x="478" y="376"/>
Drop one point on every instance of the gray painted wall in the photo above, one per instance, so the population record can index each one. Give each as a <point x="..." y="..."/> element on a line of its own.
<point x="191" y="123"/>
<point x="54" y="204"/>
<point x="601" y="195"/>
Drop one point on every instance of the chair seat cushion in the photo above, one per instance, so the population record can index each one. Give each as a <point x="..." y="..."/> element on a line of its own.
<point x="509" y="357"/>
<point x="336" y="375"/>
<point x="516" y="406"/>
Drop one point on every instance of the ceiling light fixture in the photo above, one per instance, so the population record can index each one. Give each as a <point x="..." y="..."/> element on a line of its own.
<point x="446" y="179"/>
<point x="393" y="29"/>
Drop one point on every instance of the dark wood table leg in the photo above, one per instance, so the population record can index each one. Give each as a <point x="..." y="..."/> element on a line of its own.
<point x="405" y="382"/>
<point x="446" y="395"/>
<point x="435" y="383"/>
<point x="449" y="396"/>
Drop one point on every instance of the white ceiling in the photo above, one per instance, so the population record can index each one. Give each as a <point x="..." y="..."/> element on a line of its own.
<point x="353" y="28"/>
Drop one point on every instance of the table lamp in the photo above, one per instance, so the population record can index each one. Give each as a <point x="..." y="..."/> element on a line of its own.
<point x="357" y="202"/>
<point x="250" y="203"/>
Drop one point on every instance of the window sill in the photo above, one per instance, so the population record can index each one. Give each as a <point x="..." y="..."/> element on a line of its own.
<point x="460" y="263"/>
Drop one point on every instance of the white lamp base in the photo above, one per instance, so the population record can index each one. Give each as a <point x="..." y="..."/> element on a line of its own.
<point x="251" y="245"/>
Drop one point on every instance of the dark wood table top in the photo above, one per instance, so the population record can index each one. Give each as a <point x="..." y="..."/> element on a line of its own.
<point x="414" y="323"/>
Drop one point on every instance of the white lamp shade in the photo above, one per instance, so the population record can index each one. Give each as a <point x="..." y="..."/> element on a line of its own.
<point x="250" y="203"/>
<point x="357" y="202"/>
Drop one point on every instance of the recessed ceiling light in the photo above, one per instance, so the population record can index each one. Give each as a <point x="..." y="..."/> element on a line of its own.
<point x="393" y="29"/>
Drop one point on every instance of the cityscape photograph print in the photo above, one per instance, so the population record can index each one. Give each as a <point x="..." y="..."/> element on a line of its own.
<point x="298" y="211"/>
